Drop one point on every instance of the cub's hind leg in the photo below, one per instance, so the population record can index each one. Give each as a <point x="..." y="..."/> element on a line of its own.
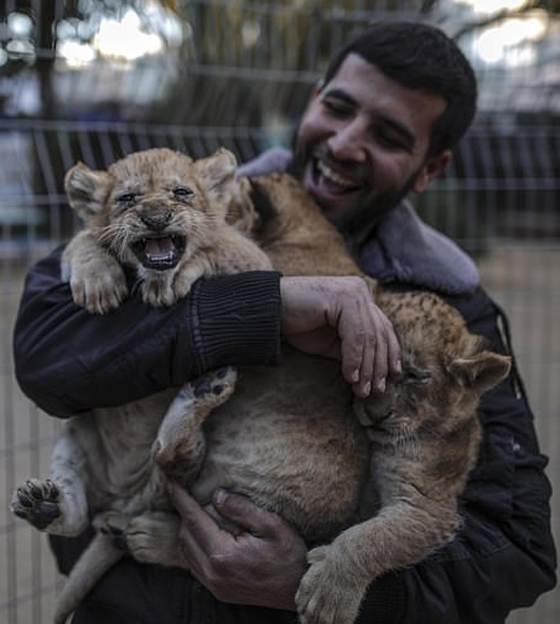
<point x="153" y="537"/>
<point x="180" y="447"/>
<point x="57" y="505"/>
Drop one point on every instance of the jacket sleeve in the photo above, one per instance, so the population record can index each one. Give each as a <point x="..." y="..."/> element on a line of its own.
<point x="68" y="361"/>
<point x="503" y="556"/>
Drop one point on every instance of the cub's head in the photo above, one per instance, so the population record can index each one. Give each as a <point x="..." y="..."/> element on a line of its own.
<point x="156" y="207"/>
<point x="446" y="370"/>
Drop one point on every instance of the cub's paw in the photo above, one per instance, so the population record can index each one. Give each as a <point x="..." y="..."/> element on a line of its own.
<point x="98" y="284"/>
<point x="114" y="525"/>
<point x="153" y="537"/>
<point x="187" y="276"/>
<point x="158" y="293"/>
<point x="329" y="593"/>
<point x="215" y="387"/>
<point x="37" y="502"/>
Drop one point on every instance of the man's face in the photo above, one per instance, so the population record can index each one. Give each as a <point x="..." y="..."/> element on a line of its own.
<point x="362" y="143"/>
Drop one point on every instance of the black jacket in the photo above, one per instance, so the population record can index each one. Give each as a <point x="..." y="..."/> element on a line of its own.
<point x="68" y="361"/>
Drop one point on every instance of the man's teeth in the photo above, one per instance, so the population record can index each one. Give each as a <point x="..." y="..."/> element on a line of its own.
<point x="333" y="176"/>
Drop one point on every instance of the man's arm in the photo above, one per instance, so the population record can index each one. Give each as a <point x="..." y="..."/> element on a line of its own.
<point x="69" y="361"/>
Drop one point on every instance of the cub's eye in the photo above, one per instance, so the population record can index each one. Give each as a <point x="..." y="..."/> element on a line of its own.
<point x="183" y="192"/>
<point x="415" y="376"/>
<point x="128" y="199"/>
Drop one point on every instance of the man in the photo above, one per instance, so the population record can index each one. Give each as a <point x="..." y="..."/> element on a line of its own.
<point x="392" y="105"/>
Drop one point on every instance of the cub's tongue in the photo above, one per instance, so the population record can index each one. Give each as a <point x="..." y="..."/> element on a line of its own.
<point x="159" y="247"/>
<point x="160" y="252"/>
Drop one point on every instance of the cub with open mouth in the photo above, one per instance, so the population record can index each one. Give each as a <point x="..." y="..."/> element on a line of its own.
<point x="160" y="213"/>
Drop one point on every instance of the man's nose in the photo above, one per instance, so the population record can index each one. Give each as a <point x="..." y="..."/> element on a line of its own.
<point x="347" y="143"/>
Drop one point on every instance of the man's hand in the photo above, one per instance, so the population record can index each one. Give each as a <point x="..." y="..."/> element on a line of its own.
<point x="262" y="566"/>
<point x="337" y="317"/>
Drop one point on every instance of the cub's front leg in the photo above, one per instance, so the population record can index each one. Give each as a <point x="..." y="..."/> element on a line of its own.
<point x="96" y="278"/>
<point x="57" y="505"/>
<point x="409" y="528"/>
<point x="164" y="288"/>
<point x="332" y="589"/>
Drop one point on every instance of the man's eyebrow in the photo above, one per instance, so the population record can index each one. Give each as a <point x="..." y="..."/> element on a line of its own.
<point x="406" y="134"/>
<point x="340" y="94"/>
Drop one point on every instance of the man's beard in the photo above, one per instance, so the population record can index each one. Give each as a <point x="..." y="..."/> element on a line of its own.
<point x="358" y="222"/>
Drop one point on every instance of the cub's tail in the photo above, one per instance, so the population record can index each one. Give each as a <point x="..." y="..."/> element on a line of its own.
<point x="99" y="556"/>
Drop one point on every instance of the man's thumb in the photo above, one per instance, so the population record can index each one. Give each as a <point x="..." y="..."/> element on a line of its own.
<point x="240" y="510"/>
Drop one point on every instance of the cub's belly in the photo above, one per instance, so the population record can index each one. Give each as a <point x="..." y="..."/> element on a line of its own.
<point x="288" y="440"/>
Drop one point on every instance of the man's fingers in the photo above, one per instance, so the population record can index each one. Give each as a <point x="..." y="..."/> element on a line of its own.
<point x="394" y="354"/>
<point x="365" y="338"/>
<point x="198" y="523"/>
<point x="247" y="515"/>
<point x="352" y="344"/>
<point x="380" y="364"/>
<point x="364" y="348"/>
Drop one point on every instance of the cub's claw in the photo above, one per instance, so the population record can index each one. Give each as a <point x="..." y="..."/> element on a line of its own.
<point x="217" y="384"/>
<point x="37" y="502"/>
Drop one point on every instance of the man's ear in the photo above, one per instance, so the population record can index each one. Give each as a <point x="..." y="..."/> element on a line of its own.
<point x="86" y="190"/>
<point x="481" y="371"/>
<point x="432" y="168"/>
<point x="216" y="175"/>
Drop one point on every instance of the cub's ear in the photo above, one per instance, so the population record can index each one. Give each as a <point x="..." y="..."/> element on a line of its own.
<point x="217" y="176"/>
<point x="481" y="371"/>
<point x="86" y="190"/>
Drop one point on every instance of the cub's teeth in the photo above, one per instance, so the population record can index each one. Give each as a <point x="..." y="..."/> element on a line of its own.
<point x="333" y="176"/>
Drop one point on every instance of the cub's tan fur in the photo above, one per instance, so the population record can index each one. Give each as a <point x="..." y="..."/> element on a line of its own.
<point x="379" y="491"/>
<point x="155" y="204"/>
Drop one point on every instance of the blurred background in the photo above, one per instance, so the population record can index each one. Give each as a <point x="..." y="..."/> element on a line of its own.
<point x="96" y="79"/>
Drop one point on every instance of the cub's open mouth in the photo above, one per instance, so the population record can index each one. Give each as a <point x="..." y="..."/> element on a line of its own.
<point x="160" y="253"/>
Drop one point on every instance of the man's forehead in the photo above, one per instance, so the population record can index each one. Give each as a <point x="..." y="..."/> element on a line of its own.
<point x="362" y="84"/>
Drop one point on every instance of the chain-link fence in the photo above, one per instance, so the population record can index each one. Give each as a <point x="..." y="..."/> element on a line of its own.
<point x="93" y="80"/>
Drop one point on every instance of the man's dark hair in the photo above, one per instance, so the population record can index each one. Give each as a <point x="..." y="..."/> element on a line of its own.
<point x="419" y="56"/>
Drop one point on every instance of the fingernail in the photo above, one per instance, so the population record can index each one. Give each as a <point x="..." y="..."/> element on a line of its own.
<point x="398" y="367"/>
<point x="367" y="388"/>
<point x="220" y="496"/>
<point x="381" y="385"/>
<point x="355" y="376"/>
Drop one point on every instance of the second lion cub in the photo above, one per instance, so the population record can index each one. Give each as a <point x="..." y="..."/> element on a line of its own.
<point x="288" y="437"/>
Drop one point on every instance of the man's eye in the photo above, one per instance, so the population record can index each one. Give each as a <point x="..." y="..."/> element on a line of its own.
<point x="390" y="141"/>
<point x="128" y="199"/>
<point x="182" y="192"/>
<point x="335" y="108"/>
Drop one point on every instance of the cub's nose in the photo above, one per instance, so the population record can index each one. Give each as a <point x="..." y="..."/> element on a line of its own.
<point x="156" y="219"/>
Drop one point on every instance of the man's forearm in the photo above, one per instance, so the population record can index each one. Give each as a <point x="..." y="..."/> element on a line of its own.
<point x="69" y="361"/>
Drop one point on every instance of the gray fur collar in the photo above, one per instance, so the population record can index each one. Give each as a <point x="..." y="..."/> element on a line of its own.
<point x="402" y="249"/>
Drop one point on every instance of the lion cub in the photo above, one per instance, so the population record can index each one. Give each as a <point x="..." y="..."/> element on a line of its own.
<point x="292" y="438"/>
<point x="163" y="216"/>
<point x="160" y="213"/>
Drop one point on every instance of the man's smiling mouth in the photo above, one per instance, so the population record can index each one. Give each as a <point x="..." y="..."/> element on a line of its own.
<point x="336" y="181"/>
